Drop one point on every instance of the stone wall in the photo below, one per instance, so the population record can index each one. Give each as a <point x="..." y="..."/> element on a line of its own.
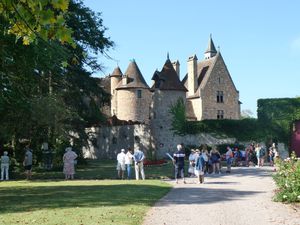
<point x="220" y="81"/>
<point x="161" y="122"/>
<point x="194" y="108"/>
<point x="114" y="83"/>
<point x="106" y="142"/>
<point x="130" y="107"/>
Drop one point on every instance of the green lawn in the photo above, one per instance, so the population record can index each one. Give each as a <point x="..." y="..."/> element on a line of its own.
<point x="99" y="169"/>
<point x="90" y="199"/>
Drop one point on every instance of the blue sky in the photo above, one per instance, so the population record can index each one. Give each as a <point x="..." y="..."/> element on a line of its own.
<point x="259" y="40"/>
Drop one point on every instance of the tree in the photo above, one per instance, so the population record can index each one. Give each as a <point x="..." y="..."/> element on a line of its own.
<point x="43" y="98"/>
<point x="30" y="19"/>
<point x="179" y="121"/>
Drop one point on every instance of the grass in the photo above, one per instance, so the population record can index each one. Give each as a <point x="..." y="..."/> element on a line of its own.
<point x="90" y="199"/>
<point x="99" y="169"/>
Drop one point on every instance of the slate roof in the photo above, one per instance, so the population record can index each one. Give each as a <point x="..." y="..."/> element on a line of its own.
<point x="117" y="72"/>
<point x="134" y="76"/>
<point x="167" y="78"/>
<point x="204" y="70"/>
<point x="211" y="47"/>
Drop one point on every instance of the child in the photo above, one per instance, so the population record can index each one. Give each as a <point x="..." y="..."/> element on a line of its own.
<point x="4" y="166"/>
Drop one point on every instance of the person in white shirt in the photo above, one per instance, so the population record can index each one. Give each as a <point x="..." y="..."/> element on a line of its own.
<point x="121" y="164"/>
<point x="128" y="162"/>
<point x="4" y="166"/>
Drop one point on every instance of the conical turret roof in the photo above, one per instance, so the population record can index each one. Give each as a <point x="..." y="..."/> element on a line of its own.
<point x="134" y="76"/>
<point x="211" y="47"/>
<point x="167" y="78"/>
<point x="117" y="72"/>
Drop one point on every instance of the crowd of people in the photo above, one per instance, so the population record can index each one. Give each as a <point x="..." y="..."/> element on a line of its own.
<point x="201" y="161"/>
<point x="69" y="162"/>
<point x="125" y="162"/>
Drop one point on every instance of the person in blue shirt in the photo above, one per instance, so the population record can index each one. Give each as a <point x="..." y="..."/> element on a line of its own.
<point x="199" y="168"/>
<point x="138" y="164"/>
<point x="179" y="163"/>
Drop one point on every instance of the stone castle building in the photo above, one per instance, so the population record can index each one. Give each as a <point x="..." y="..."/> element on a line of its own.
<point x="207" y="91"/>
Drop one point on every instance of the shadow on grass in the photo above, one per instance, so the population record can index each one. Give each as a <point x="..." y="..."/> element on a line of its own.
<point x="96" y="170"/>
<point x="31" y="198"/>
<point x="204" y="196"/>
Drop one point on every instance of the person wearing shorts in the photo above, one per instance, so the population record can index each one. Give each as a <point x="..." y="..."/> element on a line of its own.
<point x="121" y="164"/>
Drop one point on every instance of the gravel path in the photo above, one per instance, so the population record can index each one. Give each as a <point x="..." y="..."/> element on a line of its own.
<point x="242" y="198"/>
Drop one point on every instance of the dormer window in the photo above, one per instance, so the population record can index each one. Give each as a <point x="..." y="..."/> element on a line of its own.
<point x="220" y="98"/>
<point x="139" y="93"/>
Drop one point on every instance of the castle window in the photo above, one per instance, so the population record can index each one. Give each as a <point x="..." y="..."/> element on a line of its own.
<point x="220" y="114"/>
<point x="139" y="93"/>
<point x="219" y="79"/>
<point x="220" y="98"/>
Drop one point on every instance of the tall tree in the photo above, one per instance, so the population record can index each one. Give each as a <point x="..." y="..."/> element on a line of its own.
<point x="46" y="90"/>
<point x="33" y="19"/>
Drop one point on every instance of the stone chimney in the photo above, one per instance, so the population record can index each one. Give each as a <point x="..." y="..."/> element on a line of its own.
<point x="176" y="66"/>
<point x="192" y="74"/>
<point x="124" y="80"/>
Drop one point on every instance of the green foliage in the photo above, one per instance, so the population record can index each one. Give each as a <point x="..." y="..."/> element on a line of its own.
<point x="279" y="113"/>
<point x="179" y="122"/>
<point x="243" y="130"/>
<point x="287" y="180"/>
<point x="46" y="90"/>
<point x="33" y="19"/>
<point x="275" y="117"/>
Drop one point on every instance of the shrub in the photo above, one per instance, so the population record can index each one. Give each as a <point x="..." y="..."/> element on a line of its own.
<point x="287" y="180"/>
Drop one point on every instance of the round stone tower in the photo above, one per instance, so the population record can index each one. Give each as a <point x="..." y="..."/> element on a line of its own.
<point x="168" y="89"/>
<point x="133" y="96"/>
<point x="115" y="79"/>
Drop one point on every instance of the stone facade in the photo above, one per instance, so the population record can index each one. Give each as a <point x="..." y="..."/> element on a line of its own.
<point x="161" y="122"/>
<point x="211" y="91"/>
<point x="106" y="142"/>
<point x="139" y="104"/>
<point x="207" y="91"/>
<point x="220" y="81"/>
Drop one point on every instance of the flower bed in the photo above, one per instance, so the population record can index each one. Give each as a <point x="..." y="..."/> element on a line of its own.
<point x="287" y="180"/>
<point x="155" y="162"/>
